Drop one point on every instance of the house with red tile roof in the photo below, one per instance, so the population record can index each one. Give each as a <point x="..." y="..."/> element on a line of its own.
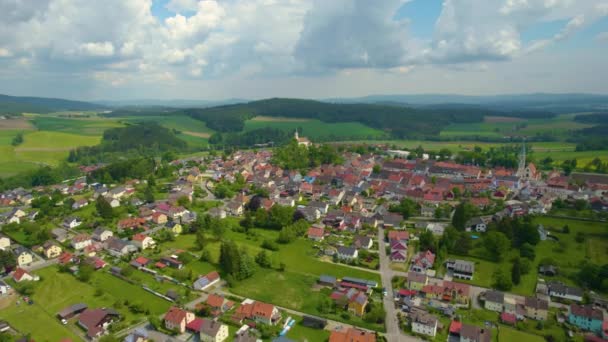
<point x="20" y="275"/>
<point x="176" y="319"/>
<point x="143" y="241"/>
<point x="423" y="261"/>
<point x="259" y="312"/>
<point x="316" y="233"/>
<point x="352" y="335"/>
<point x="97" y="321"/>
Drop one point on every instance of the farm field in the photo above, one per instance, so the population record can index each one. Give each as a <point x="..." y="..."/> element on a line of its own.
<point x="185" y="124"/>
<point x="93" y="126"/>
<point x="498" y="127"/>
<point x="315" y="129"/>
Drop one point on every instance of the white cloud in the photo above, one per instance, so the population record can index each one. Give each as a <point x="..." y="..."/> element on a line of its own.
<point x="208" y="16"/>
<point x="97" y="49"/>
<point x="5" y="52"/>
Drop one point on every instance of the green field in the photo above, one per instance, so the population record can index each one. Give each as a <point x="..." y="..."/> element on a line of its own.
<point x="179" y="122"/>
<point x="317" y="130"/>
<point x="497" y="127"/>
<point x="508" y="334"/>
<point x="83" y="126"/>
<point x="291" y="288"/>
<point x="56" y="291"/>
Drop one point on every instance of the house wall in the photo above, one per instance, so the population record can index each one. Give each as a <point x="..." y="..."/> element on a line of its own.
<point x="424" y="329"/>
<point x="221" y="336"/>
<point x="585" y="323"/>
<point x="536" y="314"/>
<point x="488" y="305"/>
<point x="24" y="259"/>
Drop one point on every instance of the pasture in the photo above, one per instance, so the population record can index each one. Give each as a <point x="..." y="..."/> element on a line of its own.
<point x="92" y="126"/>
<point x="317" y="130"/>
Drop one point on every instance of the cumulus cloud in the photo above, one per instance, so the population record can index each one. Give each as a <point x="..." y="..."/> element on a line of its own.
<point x="341" y="34"/>
<point x="97" y="49"/>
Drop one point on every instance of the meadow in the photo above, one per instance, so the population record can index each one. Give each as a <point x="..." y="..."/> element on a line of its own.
<point x="56" y="291"/>
<point x="315" y="129"/>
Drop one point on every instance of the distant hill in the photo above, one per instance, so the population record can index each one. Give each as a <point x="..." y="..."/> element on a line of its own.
<point x="561" y="103"/>
<point x="13" y="105"/>
<point x="399" y="121"/>
<point x="177" y="103"/>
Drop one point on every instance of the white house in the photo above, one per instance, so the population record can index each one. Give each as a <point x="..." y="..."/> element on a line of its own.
<point x="212" y="331"/>
<point x="143" y="241"/>
<point x="81" y="241"/>
<point x="494" y="301"/>
<point x="5" y="243"/>
<point x="424" y="323"/>
<point x="102" y="234"/>
<point x="347" y="253"/>
<point x="476" y="224"/>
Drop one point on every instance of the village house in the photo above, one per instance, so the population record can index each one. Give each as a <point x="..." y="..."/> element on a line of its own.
<point x="206" y="281"/>
<point x="423" y="261"/>
<point x="586" y="317"/>
<point x="5" y="243"/>
<point x="494" y="301"/>
<point x="4" y="287"/>
<point x="23" y="256"/>
<point x="59" y="234"/>
<point x="316" y="233"/>
<point x="72" y="222"/>
<point x="416" y="281"/>
<point x="352" y="299"/>
<point x="176" y="319"/>
<point x="81" y="241"/>
<point x="213" y="331"/>
<point x="476" y="224"/>
<point x="364" y="242"/>
<point x="174" y="227"/>
<point x="468" y="333"/>
<point x="51" y="249"/>
<point x="20" y="275"/>
<point x="217" y="212"/>
<point x="461" y="269"/>
<point x="142" y="241"/>
<point x="536" y="308"/>
<point x="258" y="312"/>
<point x="560" y="290"/>
<point x="97" y="321"/>
<point x="218" y="304"/>
<point x="170" y="261"/>
<point x="101" y="234"/>
<point x="159" y="218"/>
<point x="352" y="335"/>
<point x="423" y="323"/>
<point x="118" y="247"/>
<point x="347" y="253"/>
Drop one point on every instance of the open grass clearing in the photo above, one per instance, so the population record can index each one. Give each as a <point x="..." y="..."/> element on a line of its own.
<point x="92" y="126"/>
<point x="45" y="140"/>
<point x="318" y="130"/>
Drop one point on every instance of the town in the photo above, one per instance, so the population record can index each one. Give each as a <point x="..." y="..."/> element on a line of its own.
<point x="371" y="244"/>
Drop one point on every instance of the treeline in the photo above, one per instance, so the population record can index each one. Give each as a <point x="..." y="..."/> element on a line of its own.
<point x="42" y="176"/>
<point x="142" y="139"/>
<point x="401" y="122"/>
<point x="505" y="156"/>
<point x="142" y="111"/>
<point x="119" y="171"/>
<point x="296" y="157"/>
<point x="591" y="138"/>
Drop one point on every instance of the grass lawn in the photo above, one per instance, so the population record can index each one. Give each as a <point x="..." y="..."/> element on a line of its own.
<point x="49" y="141"/>
<point x="318" y="130"/>
<point x="301" y="333"/>
<point x="36" y="320"/>
<point x="508" y="334"/>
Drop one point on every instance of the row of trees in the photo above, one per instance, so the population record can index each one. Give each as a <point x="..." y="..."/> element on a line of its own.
<point x="297" y="157"/>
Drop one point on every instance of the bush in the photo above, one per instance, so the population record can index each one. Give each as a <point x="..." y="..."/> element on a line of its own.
<point x="270" y="245"/>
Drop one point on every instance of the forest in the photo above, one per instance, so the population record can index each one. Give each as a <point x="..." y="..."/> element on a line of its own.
<point x="142" y="139"/>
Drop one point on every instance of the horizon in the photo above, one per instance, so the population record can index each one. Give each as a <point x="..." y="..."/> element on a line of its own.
<point x="216" y="50"/>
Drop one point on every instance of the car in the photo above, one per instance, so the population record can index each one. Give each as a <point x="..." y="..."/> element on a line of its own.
<point x="64" y="321"/>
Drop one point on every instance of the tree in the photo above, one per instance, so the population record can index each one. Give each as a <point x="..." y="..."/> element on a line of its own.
<point x="200" y="240"/>
<point x="376" y="169"/>
<point x="427" y="241"/>
<point x="459" y="219"/>
<point x="262" y="259"/>
<point x="516" y="271"/>
<point x="527" y="251"/>
<point x="206" y="255"/>
<point x="149" y="194"/>
<point x="502" y="281"/>
<point x="85" y="272"/>
<point x="325" y="305"/>
<point x="7" y="260"/>
<point x="406" y="208"/>
<point x="104" y="209"/>
<point x="496" y="244"/>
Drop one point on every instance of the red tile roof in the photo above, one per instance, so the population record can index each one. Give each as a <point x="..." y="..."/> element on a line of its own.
<point x="215" y="301"/>
<point x="175" y="315"/>
<point x="315" y="232"/>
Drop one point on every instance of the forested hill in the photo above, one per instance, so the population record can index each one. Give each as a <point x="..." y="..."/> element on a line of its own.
<point x="12" y="105"/>
<point x="399" y="121"/>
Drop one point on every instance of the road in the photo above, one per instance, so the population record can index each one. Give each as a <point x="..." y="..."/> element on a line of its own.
<point x="393" y="332"/>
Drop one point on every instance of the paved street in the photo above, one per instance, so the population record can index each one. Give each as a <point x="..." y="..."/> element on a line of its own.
<point x="393" y="332"/>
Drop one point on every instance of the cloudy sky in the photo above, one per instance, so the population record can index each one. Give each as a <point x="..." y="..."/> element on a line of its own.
<point x="217" y="49"/>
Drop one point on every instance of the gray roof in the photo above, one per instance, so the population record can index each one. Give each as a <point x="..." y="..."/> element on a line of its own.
<point x="210" y="328"/>
<point x="347" y="250"/>
<point x="495" y="296"/>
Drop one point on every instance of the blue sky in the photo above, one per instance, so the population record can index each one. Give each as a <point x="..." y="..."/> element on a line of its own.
<point x="214" y="49"/>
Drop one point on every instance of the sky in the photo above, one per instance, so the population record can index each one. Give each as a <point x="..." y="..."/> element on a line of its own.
<point x="220" y="49"/>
